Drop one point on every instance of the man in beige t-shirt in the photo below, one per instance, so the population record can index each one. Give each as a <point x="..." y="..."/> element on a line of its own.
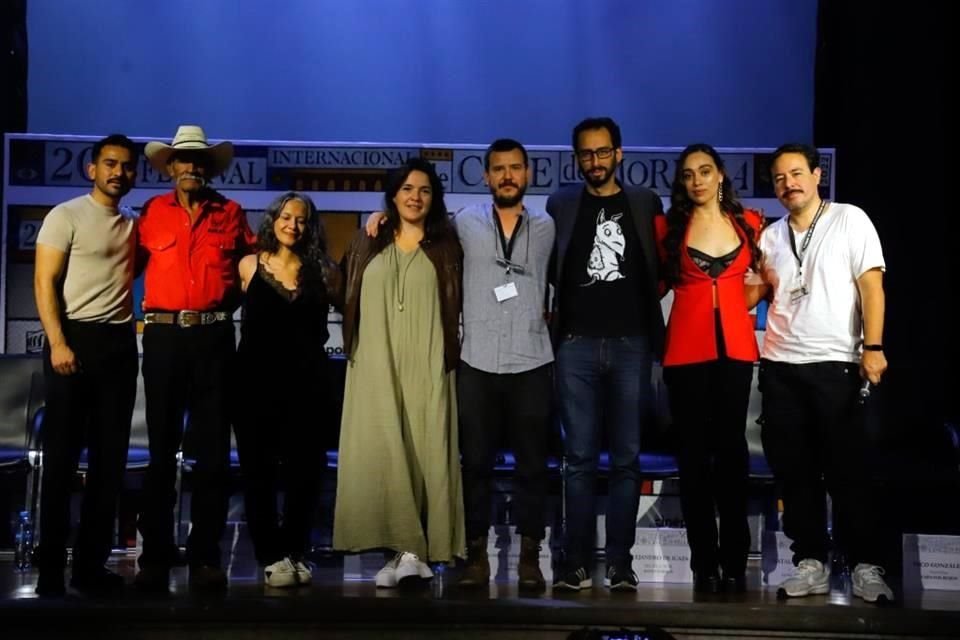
<point x="83" y="285"/>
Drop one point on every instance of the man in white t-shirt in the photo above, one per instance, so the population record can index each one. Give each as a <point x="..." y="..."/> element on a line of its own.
<point x="823" y="351"/>
<point x="83" y="285"/>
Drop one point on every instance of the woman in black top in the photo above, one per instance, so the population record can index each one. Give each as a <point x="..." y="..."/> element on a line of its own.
<point x="289" y="285"/>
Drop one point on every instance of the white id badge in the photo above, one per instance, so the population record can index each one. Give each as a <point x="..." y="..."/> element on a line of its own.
<point x="798" y="293"/>
<point x="505" y="291"/>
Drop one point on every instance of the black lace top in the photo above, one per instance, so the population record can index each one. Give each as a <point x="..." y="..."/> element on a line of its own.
<point x="283" y="326"/>
<point x="713" y="266"/>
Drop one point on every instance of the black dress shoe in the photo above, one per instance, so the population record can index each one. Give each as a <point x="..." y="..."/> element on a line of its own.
<point x="208" y="578"/>
<point x="706" y="583"/>
<point x="153" y="579"/>
<point x="734" y="583"/>
<point x="175" y="557"/>
<point x="50" y="584"/>
<point x="96" y="581"/>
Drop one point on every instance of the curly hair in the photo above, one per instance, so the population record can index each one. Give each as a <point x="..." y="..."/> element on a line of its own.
<point x="681" y="208"/>
<point x="316" y="266"/>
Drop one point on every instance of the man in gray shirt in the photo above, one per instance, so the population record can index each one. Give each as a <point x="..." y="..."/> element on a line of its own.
<point x="505" y="377"/>
<point x="505" y="381"/>
<point x="83" y="284"/>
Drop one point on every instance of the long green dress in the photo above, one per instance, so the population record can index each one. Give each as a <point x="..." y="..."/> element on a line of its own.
<point x="398" y="482"/>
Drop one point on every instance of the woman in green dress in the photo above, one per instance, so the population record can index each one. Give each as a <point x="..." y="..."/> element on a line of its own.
<point x="398" y="484"/>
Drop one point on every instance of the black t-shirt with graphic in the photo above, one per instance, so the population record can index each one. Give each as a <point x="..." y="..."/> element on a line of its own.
<point x="603" y="271"/>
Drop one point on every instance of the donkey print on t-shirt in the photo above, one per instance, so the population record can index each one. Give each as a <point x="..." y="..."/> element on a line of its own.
<point x="608" y="247"/>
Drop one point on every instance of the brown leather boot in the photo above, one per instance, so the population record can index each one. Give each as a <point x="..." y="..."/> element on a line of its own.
<point x="528" y="570"/>
<point x="476" y="573"/>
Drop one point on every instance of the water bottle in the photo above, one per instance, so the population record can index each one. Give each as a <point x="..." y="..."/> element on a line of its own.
<point x="23" y="551"/>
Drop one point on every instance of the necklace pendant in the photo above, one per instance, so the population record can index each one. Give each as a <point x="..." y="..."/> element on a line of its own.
<point x="400" y="306"/>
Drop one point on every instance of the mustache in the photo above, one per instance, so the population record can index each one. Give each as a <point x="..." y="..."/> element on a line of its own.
<point x="192" y="176"/>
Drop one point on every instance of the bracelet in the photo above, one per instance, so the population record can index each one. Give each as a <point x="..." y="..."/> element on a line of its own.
<point x="873" y="347"/>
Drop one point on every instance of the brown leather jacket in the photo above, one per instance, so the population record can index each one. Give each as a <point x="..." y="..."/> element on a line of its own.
<point x="447" y="258"/>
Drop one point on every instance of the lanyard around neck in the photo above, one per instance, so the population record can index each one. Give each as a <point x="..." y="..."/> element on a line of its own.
<point x="507" y="245"/>
<point x="806" y="240"/>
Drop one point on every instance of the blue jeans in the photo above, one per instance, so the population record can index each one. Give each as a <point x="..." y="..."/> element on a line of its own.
<point x="604" y="379"/>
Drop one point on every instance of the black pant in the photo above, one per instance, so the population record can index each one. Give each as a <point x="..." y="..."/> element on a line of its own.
<point x="708" y="402"/>
<point x="490" y="403"/>
<point x="279" y="436"/>
<point x="187" y="369"/>
<point x="813" y="437"/>
<point x="93" y="409"/>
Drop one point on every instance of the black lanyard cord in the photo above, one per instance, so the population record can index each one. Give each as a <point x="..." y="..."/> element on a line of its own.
<point x="806" y="239"/>
<point x="507" y="245"/>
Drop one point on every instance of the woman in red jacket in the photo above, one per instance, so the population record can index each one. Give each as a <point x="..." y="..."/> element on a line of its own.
<point x="707" y="243"/>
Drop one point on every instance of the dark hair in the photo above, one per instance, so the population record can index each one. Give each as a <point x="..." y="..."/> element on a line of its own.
<point x="437" y="223"/>
<point x="590" y="124"/>
<point x="681" y="207"/>
<point x="807" y="151"/>
<point x="500" y="146"/>
<point x="315" y="263"/>
<point x="113" y="140"/>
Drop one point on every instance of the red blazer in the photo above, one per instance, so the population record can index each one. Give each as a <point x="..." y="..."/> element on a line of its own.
<point x="691" y="330"/>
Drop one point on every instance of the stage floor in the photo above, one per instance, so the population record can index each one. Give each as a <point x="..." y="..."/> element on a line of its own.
<point x="345" y="603"/>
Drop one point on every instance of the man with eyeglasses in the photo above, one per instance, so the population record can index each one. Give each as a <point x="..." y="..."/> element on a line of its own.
<point x="504" y="383"/>
<point x="608" y="328"/>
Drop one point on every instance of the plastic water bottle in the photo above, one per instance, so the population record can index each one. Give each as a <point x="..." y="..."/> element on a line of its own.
<point x="23" y="551"/>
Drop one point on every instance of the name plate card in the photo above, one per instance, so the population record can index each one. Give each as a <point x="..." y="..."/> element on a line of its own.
<point x="662" y="555"/>
<point x="931" y="562"/>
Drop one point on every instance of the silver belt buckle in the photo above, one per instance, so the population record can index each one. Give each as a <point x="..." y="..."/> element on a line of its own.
<point x="188" y="319"/>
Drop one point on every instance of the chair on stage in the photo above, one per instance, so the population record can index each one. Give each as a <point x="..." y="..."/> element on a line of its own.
<point x="21" y="393"/>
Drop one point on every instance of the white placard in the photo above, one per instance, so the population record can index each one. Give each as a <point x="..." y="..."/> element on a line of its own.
<point x="776" y="557"/>
<point x="931" y="562"/>
<point x="662" y="555"/>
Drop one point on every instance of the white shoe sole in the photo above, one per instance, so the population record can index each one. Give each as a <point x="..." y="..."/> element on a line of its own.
<point x="566" y="586"/>
<point x="620" y="586"/>
<point x="818" y="590"/>
<point x="880" y="597"/>
<point x="282" y="580"/>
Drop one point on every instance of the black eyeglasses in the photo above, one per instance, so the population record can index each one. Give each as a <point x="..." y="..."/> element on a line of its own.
<point x="602" y="153"/>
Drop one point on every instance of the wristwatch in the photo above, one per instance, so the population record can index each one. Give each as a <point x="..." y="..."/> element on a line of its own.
<point x="873" y="347"/>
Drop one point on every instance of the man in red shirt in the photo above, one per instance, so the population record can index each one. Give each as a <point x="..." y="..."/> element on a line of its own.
<point x="191" y="240"/>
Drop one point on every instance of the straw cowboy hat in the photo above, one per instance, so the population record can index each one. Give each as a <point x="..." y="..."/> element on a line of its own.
<point x="190" y="138"/>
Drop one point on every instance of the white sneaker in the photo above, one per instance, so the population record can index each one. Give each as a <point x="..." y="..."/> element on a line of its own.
<point x="426" y="572"/>
<point x="868" y="583"/>
<point x="304" y="574"/>
<point x="282" y="573"/>
<point x="387" y="577"/>
<point x="810" y="578"/>
<point x="410" y="569"/>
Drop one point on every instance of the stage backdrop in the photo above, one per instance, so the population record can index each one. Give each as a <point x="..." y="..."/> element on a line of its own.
<point x="345" y="181"/>
<point x="728" y="72"/>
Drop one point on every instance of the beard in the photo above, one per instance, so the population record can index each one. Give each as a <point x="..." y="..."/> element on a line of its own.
<point x="508" y="201"/>
<point x="116" y="189"/>
<point x="597" y="182"/>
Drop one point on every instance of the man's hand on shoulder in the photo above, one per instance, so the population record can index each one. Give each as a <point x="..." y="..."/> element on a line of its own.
<point x="376" y="219"/>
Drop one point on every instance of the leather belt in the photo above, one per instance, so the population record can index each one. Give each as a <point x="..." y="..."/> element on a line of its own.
<point x="185" y="318"/>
